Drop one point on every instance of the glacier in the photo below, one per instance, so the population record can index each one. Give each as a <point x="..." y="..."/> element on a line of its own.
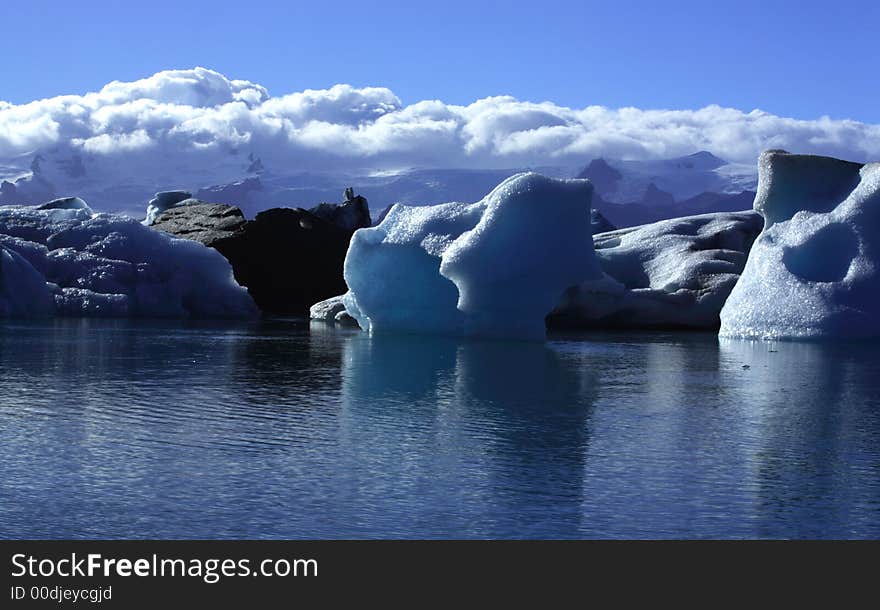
<point x="492" y="268"/>
<point x="67" y="260"/>
<point x="813" y="272"/>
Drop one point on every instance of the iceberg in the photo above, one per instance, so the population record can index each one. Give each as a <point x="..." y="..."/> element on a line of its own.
<point x="672" y="273"/>
<point x="492" y="268"/>
<point x="814" y="272"/>
<point x="108" y="265"/>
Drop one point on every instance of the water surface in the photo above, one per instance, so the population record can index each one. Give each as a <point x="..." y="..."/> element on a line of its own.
<point x="120" y="429"/>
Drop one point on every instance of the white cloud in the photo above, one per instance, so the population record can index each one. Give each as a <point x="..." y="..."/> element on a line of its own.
<point x="199" y="117"/>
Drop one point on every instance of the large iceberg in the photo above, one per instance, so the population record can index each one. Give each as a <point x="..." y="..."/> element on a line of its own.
<point x="107" y="265"/>
<point x="814" y="272"/>
<point x="493" y="268"/>
<point x="672" y="273"/>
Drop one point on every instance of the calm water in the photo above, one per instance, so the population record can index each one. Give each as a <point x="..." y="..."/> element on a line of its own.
<point x="276" y="430"/>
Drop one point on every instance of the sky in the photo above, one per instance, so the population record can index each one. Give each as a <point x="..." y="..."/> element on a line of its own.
<point x="107" y="90"/>
<point x="802" y="59"/>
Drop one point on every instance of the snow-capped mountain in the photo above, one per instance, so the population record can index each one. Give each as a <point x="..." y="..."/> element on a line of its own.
<point x="244" y="181"/>
<point x="667" y="180"/>
<point x="627" y="192"/>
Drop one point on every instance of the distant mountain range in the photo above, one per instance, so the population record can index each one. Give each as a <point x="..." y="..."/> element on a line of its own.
<point x="637" y="192"/>
<point x="626" y="192"/>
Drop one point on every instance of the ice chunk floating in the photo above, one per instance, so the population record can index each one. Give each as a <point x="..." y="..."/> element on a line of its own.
<point x="814" y="272"/>
<point x="66" y="260"/>
<point x="673" y="273"/>
<point x="493" y="268"/>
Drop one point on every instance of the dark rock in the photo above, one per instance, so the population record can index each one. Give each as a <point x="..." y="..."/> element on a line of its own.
<point x="353" y="213"/>
<point x="200" y="221"/>
<point x="288" y="258"/>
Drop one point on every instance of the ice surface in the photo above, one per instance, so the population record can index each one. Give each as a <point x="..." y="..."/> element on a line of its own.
<point x="674" y="272"/>
<point x="492" y="268"/>
<point x="813" y="271"/>
<point x="23" y="290"/>
<point x="108" y="265"/>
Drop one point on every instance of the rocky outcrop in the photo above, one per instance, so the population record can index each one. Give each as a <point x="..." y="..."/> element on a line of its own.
<point x="288" y="258"/>
<point x="351" y="215"/>
<point x="201" y="221"/>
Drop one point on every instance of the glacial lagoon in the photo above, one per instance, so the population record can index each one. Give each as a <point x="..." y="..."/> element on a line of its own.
<point x="281" y="429"/>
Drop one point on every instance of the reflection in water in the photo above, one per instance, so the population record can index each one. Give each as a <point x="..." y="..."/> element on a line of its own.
<point x="815" y="412"/>
<point x="492" y="433"/>
<point x="278" y="430"/>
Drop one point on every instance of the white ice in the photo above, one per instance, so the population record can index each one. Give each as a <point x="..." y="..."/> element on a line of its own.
<point x="493" y="268"/>
<point x="674" y="272"/>
<point x="814" y="272"/>
<point x="109" y="265"/>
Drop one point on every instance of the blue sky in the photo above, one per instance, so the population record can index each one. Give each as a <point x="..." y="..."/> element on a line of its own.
<point x="800" y="59"/>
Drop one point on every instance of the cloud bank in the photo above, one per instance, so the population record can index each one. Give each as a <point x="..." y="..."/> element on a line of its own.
<point x="182" y="118"/>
